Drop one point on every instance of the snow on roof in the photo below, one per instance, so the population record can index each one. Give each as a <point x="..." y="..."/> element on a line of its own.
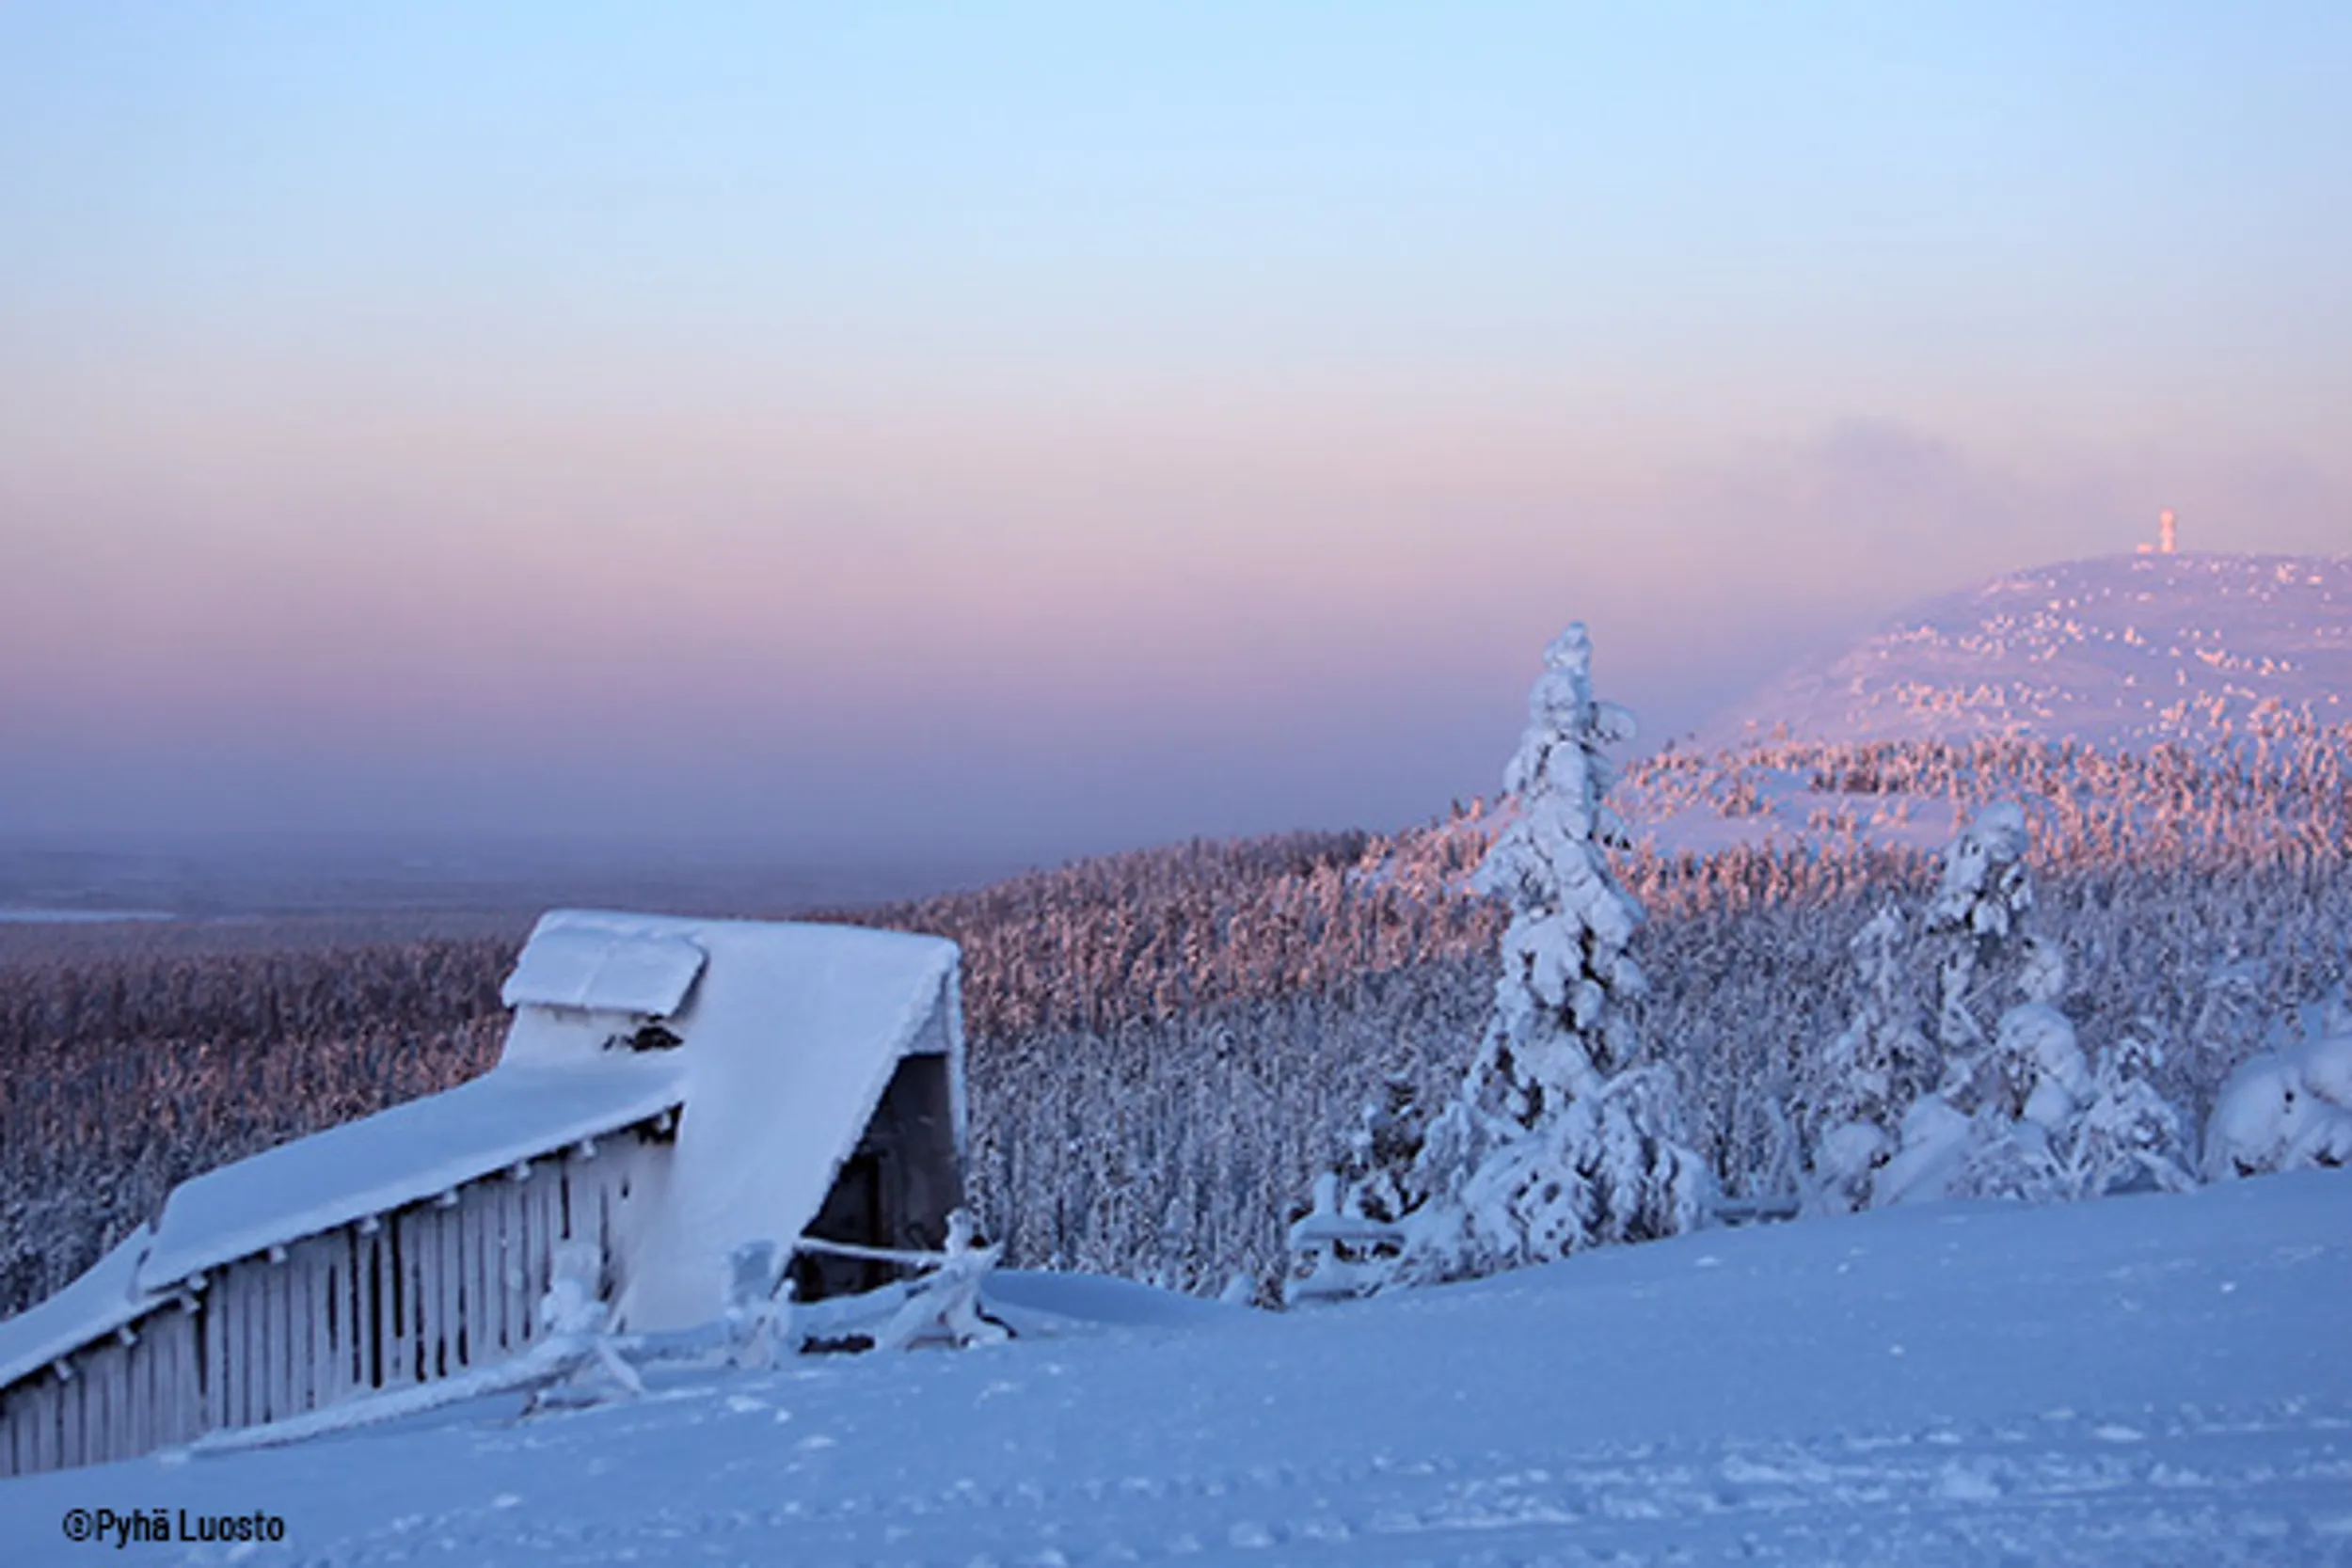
<point x="604" y="972"/>
<point x="408" y="1153"/>
<point x="105" y="1298"/>
<point x="789" y="1040"/>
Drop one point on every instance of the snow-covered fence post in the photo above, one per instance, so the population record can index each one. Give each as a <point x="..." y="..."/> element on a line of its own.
<point x="1335" y="1255"/>
<point x="1346" y="1246"/>
<point x="759" y="1305"/>
<point x="946" y="1301"/>
<point x="576" y="1322"/>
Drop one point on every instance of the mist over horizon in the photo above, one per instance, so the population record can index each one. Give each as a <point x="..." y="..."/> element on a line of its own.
<point x="916" y="441"/>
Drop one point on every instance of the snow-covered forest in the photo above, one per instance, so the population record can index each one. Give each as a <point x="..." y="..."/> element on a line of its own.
<point x="1169" y="1045"/>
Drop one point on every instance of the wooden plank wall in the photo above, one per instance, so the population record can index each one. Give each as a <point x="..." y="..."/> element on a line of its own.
<point x="130" y="1392"/>
<point x="425" y="1292"/>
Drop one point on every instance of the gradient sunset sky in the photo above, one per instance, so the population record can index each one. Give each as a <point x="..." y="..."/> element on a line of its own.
<point x="1019" y="430"/>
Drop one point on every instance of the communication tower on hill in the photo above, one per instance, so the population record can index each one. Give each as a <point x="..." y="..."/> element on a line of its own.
<point x="2167" y="537"/>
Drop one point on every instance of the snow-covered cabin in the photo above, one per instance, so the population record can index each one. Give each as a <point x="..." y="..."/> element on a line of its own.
<point x="669" y="1090"/>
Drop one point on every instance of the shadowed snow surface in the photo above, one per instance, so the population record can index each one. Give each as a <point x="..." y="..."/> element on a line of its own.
<point x="2150" y="1380"/>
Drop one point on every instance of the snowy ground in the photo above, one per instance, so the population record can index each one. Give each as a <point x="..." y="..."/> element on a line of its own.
<point x="2153" y="1380"/>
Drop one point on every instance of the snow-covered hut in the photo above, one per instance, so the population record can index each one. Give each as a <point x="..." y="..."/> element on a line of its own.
<point x="669" y="1090"/>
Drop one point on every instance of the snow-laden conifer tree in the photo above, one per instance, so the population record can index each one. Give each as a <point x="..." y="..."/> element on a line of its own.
<point x="1981" y="901"/>
<point x="1875" y="1067"/>
<point x="1559" y="1026"/>
<point x="1381" y="1152"/>
<point x="2027" y="1089"/>
<point x="2289" y="1107"/>
<point x="2021" y="1112"/>
<point x="2129" y="1137"/>
<point x="2048" y="1125"/>
<point x="1556" y="1139"/>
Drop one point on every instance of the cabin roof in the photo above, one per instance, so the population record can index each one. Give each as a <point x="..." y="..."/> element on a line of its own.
<point x="400" y="1156"/>
<point x="101" y="1300"/>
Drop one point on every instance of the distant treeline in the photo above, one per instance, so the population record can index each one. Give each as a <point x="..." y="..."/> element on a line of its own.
<point x="1169" y="1145"/>
<point x="124" y="1070"/>
<point x="2280" y="790"/>
<point x="1166" y="1044"/>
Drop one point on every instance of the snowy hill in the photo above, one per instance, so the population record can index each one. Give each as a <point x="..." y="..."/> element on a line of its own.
<point x="2124" y="651"/>
<point x="2144" y="1381"/>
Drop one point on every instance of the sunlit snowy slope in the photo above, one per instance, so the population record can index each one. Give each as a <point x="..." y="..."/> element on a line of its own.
<point x="2126" y="650"/>
<point x="2149" y="1380"/>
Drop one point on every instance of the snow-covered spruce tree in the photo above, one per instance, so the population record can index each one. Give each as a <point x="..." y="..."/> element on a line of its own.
<point x="2020" y="1113"/>
<point x="1859" y="1087"/>
<point x="1981" y="899"/>
<point x="1980" y="903"/>
<point x="2289" y="1107"/>
<point x="2025" y="1091"/>
<point x="2129" y="1137"/>
<point x="1556" y="1139"/>
<point x="2053" y="1127"/>
<point x="1381" y="1151"/>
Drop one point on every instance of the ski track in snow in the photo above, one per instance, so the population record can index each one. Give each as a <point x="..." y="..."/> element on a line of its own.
<point x="2137" y="1381"/>
<point x="2229" y="1491"/>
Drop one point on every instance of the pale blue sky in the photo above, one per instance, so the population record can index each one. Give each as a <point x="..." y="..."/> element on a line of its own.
<point x="1061" y="427"/>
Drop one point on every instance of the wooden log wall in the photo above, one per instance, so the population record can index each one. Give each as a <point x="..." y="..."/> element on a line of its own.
<point x="427" y="1292"/>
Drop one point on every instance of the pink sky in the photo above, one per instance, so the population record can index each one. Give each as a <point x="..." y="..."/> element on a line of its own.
<point x="916" y="434"/>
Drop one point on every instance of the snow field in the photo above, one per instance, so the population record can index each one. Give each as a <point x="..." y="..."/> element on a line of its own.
<point x="2141" y="1380"/>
